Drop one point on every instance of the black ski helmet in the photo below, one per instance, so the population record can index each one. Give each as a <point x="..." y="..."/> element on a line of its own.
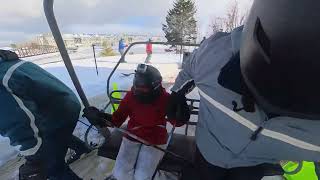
<point x="280" y="60"/>
<point x="147" y="83"/>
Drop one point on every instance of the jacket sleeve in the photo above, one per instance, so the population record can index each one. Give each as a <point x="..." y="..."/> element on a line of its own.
<point x="122" y="113"/>
<point x="184" y="82"/>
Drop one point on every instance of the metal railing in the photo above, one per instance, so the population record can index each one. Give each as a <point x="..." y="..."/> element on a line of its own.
<point x="35" y="50"/>
<point x="128" y="49"/>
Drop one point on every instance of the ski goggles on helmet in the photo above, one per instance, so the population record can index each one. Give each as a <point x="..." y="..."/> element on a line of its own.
<point x="141" y="89"/>
<point x="142" y="68"/>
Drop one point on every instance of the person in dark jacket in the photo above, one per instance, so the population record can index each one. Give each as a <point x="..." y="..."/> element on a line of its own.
<point x="39" y="114"/>
<point x="145" y="105"/>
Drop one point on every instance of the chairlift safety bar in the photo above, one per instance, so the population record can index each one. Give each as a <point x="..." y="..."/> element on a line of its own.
<point x="48" y="9"/>
<point x="127" y="50"/>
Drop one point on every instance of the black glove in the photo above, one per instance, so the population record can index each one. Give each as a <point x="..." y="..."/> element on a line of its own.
<point x="178" y="108"/>
<point x="97" y="117"/>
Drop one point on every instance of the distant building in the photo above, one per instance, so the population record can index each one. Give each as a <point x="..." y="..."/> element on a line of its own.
<point x="45" y="39"/>
<point x="86" y="40"/>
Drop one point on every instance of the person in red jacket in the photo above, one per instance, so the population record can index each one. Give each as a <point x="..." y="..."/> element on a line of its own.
<point x="145" y="105"/>
<point x="148" y="51"/>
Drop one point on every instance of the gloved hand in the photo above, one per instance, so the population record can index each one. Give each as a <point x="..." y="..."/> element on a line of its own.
<point x="96" y="117"/>
<point x="178" y="108"/>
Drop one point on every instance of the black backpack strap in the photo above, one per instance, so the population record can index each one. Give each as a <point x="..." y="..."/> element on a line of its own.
<point x="230" y="77"/>
<point x="8" y="55"/>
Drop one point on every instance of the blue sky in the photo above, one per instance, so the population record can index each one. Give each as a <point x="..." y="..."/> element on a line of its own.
<point x="22" y="19"/>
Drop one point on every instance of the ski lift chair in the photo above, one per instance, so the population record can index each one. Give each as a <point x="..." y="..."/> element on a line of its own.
<point x="180" y="144"/>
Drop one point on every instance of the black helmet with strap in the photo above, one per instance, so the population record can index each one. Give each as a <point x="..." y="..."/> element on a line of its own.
<point x="280" y="60"/>
<point x="147" y="83"/>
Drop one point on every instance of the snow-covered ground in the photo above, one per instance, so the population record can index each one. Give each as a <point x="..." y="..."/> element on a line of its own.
<point x="6" y="152"/>
<point x="94" y="84"/>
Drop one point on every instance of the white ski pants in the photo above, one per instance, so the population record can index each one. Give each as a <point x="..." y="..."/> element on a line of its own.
<point x="136" y="161"/>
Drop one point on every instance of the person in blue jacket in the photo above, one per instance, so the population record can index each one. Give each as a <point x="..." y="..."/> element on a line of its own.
<point x="259" y="93"/>
<point x="38" y="114"/>
<point x="121" y="48"/>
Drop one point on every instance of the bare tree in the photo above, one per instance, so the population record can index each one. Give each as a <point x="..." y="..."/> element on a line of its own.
<point x="217" y="25"/>
<point x="233" y="17"/>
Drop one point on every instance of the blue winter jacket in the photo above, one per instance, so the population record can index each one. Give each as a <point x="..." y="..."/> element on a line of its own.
<point x="33" y="105"/>
<point x="122" y="45"/>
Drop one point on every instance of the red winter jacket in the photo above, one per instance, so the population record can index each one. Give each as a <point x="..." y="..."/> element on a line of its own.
<point x="145" y="119"/>
<point x="149" y="48"/>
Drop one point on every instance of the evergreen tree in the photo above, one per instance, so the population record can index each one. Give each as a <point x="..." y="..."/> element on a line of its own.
<point x="181" y="25"/>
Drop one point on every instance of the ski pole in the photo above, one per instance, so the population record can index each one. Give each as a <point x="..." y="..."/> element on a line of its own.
<point x="171" y="134"/>
<point x="95" y="60"/>
<point x="142" y="141"/>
